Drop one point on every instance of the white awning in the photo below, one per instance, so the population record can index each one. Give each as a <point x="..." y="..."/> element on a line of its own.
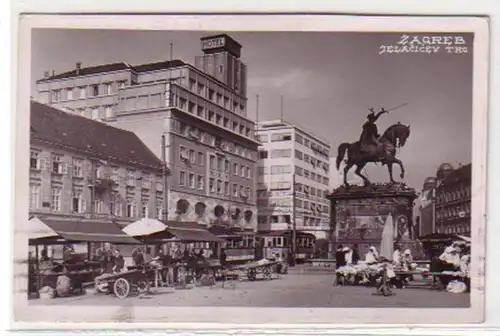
<point x="144" y="227"/>
<point x="464" y="238"/>
<point x="37" y="229"/>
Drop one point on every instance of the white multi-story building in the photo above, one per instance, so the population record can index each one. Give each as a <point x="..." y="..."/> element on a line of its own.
<point x="201" y="110"/>
<point x="292" y="179"/>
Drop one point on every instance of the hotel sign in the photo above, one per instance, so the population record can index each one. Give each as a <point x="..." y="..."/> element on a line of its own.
<point x="216" y="42"/>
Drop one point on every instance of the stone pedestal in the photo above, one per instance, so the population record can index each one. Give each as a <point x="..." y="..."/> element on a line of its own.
<point x="358" y="215"/>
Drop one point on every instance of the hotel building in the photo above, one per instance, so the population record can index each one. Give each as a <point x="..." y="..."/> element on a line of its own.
<point x="292" y="179"/>
<point x="200" y="110"/>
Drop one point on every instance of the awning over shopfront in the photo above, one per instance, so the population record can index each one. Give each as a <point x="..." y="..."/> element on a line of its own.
<point x="170" y="231"/>
<point x="229" y="232"/>
<point x="37" y="229"/>
<point x="442" y="237"/>
<point x="89" y="231"/>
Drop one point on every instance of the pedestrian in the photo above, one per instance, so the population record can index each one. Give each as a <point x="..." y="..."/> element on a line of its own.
<point x="340" y="256"/>
<point x="355" y="254"/>
<point x="119" y="261"/>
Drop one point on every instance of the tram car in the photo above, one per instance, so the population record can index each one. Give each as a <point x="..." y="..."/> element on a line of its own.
<point x="239" y="246"/>
<point x="278" y="242"/>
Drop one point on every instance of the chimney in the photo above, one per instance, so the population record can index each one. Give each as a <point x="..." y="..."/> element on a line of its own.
<point x="78" y="67"/>
<point x="53" y="73"/>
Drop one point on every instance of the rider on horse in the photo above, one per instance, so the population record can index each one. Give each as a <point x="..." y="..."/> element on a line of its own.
<point x="369" y="136"/>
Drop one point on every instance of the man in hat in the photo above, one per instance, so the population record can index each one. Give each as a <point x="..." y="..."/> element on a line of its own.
<point x="369" y="136"/>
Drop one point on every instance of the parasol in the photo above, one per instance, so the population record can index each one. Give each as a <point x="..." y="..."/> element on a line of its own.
<point x="144" y="227"/>
<point x="387" y="243"/>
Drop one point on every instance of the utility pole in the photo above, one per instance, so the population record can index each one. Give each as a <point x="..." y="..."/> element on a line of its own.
<point x="294" y="224"/>
<point x="165" y="176"/>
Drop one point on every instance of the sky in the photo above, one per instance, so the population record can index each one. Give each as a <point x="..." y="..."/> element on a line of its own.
<point x="328" y="81"/>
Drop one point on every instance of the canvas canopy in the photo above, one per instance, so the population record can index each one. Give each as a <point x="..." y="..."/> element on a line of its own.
<point x="144" y="227"/>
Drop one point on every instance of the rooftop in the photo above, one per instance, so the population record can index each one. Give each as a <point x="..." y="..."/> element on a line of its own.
<point x="89" y="137"/>
<point x="115" y="67"/>
<point x="281" y="123"/>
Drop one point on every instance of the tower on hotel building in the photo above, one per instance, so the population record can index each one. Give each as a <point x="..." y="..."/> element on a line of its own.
<point x="201" y="110"/>
<point x="290" y="154"/>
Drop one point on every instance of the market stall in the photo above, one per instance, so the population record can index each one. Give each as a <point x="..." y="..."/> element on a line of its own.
<point x="185" y="249"/>
<point x="51" y="276"/>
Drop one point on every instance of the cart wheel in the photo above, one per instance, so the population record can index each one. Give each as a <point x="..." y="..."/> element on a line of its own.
<point x="251" y="274"/>
<point x="121" y="288"/>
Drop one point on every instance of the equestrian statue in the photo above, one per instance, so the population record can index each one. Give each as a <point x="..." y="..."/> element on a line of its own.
<point x="372" y="147"/>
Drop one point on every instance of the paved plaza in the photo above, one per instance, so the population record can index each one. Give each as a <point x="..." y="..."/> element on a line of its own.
<point x="292" y="290"/>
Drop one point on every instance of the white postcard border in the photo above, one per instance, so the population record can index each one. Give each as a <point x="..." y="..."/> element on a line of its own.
<point x="240" y="317"/>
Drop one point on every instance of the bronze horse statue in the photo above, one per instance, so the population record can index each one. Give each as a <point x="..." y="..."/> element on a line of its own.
<point x="395" y="136"/>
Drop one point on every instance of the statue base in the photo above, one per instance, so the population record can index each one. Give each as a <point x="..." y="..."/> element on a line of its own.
<point x="359" y="214"/>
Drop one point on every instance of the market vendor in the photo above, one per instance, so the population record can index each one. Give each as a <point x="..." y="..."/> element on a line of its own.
<point x="450" y="259"/>
<point x="105" y="257"/>
<point x="396" y="255"/>
<point x="138" y="257"/>
<point x="371" y="256"/>
<point x="340" y="256"/>
<point x="118" y="261"/>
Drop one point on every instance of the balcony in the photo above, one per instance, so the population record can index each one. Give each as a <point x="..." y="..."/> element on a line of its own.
<point x="101" y="183"/>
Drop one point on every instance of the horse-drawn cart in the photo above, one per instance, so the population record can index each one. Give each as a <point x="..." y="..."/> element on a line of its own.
<point x="122" y="284"/>
<point x="252" y="269"/>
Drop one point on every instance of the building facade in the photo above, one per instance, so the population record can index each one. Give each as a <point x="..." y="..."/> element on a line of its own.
<point x="82" y="169"/>
<point x="446" y="201"/>
<point x="200" y="110"/>
<point x="292" y="179"/>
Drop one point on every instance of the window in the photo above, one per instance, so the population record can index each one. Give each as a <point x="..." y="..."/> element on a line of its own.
<point x="35" y="160"/>
<point x="183" y="153"/>
<point x="201" y="88"/>
<point x="95" y="113"/>
<point x="226" y="122"/>
<point x="182" y="178"/>
<point x="130" y="177"/>
<point x="58" y="166"/>
<point x="192" y="156"/>
<point x="235" y="169"/>
<point x="263" y="154"/>
<point x="212" y="185"/>
<point x="281" y="185"/>
<point x="56" y="200"/>
<point x="248" y="193"/>
<point x="77" y="168"/>
<point x="242" y="129"/>
<point x="191" y="181"/>
<point x="98" y="206"/>
<point x="201" y="159"/>
<point x="218" y="119"/>
<point x="299" y="155"/>
<point x="235" y="190"/>
<point x="69" y="94"/>
<point x="199" y="112"/>
<point x="261" y="170"/>
<point x="82" y="92"/>
<point x="122" y="84"/>
<point x="212" y="161"/>
<point x="130" y="209"/>
<point x="281" y="153"/>
<point x="226" y="166"/>
<point x="159" y="183"/>
<point x="144" y="209"/>
<point x="281" y="137"/>
<point x="263" y="137"/>
<point x="235" y="126"/>
<point x="78" y="202"/>
<point x="211" y="94"/>
<point x="227" y="192"/>
<point x="95" y="90"/>
<point x="299" y="171"/>
<point x="307" y="142"/>
<point x="146" y="181"/>
<point x="108" y="88"/>
<point x="108" y="112"/>
<point x="56" y="95"/>
<point x="200" y="182"/>
<point x="34" y="196"/>
<point x="191" y="107"/>
<point x="211" y="116"/>
<point x="192" y="84"/>
<point x="159" y="210"/>
<point x="242" y="171"/>
<point x="115" y="174"/>
<point x="249" y="172"/>
<point x="220" y="163"/>
<point x="276" y="170"/>
<point x="219" y="98"/>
